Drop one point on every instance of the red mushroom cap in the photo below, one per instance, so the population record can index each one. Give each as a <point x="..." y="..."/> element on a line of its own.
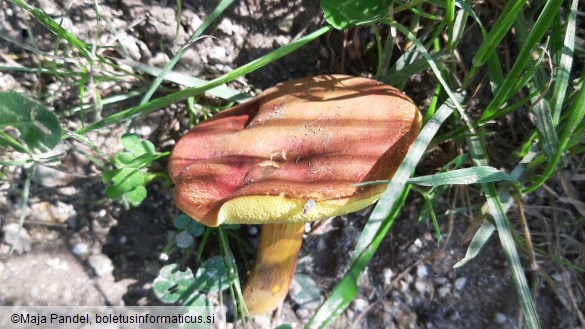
<point x="295" y="152"/>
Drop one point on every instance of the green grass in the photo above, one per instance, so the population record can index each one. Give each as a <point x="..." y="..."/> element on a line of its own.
<point x="541" y="79"/>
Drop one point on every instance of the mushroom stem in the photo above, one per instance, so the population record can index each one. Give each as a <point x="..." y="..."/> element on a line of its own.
<point x="273" y="271"/>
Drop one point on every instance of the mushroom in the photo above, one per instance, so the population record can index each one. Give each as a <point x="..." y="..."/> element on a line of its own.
<point x="291" y="155"/>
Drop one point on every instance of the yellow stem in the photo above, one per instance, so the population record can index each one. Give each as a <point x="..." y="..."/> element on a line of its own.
<point x="274" y="269"/>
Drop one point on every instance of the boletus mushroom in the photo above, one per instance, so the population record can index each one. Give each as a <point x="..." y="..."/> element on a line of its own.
<point x="291" y="155"/>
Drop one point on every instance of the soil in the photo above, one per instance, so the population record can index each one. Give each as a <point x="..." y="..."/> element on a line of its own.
<point x="79" y="248"/>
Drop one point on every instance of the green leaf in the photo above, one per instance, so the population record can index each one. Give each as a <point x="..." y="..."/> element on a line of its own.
<point x="346" y="13"/>
<point x="304" y="291"/>
<point x="479" y="240"/>
<point x="565" y="53"/>
<point x="130" y="177"/>
<point x="480" y="174"/>
<point x="537" y="32"/>
<point x="39" y="128"/>
<point x="198" y="300"/>
<point x="212" y="275"/>
<point x="284" y="326"/>
<point x="123" y="180"/>
<point x="195" y="228"/>
<point x="172" y="285"/>
<point x="123" y="159"/>
<point x="137" y="146"/>
<point x="501" y="27"/>
<point x="184" y="222"/>
<point x="136" y="196"/>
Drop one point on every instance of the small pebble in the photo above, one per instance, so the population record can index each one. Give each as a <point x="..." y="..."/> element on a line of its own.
<point x="302" y="313"/>
<point x="216" y="55"/>
<point x="101" y="264"/>
<point x="422" y="271"/>
<point x="61" y="211"/>
<point x="415" y="247"/>
<point x="460" y="283"/>
<point x="253" y="230"/>
<point x="122" y="240"/>
<point x="441" y="280"/>
<point x="285" y="24"/>
<point x="80" y="249"/>
<point x="68" y="190"/>
<point x="50" y="177"/>
<point x="360" y="305"/>
<point x="143" y="131"/>
<point x="17" y="237"/>
<point x="444" y="291"/>
<point x="418" y="243"/>
<point x="501" y="318"/>
<point x="388" y="275"/>
<point x="420" y="286"/>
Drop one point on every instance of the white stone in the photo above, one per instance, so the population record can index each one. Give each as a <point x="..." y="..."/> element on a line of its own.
<point x="501" y="318"/>
<point x="285" y="24"/>
<point x="49" y="177"/>
<point x="216" y="55"/>
<point x="123" y="239"/>
<point x="388" y="275"/>
<point x="422" y="271"/>
<point x="444" y="291"/>
<point x="80" y="249"/>
<point x="17" y="237"/>
<point x="360" y="305"/>
<point x="418" y="243"/>
<point x="420" y="286"/>
<point x="101" y="264"/>
<point x="460" y="283"/>
<point x="61" y="211"/>
<point x="253" y="230"/>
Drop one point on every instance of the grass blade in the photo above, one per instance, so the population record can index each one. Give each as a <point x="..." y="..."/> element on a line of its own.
<point x="576" y="113"/>
<point x="54" y="27"/>
<point x="479" y="174"/>
<point x="159" y="79"/>
<point x="566" y="61"/>
<point x="223" y="91"/>
<point x="495" y="36"/>
<point x="479" y="240"/>
<point x="379" y="222"/>
<point x="536" y="34"/>
<point x="184" y="94"/>
<point x="509" y="249"/>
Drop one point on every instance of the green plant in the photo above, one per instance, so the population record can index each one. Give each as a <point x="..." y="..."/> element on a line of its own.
<point x="416" y="38"/>
<point x="129" y="178"/>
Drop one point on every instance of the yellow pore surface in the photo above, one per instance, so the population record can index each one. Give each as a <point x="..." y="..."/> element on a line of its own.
<point x="278" y="209"/>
